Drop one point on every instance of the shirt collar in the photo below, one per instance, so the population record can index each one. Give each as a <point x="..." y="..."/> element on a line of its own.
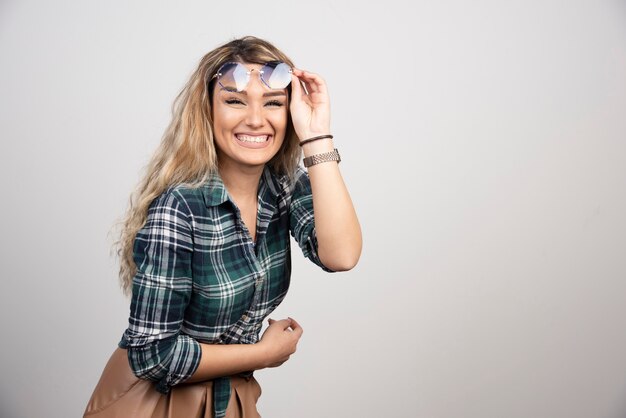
<point x="215" y="192"/>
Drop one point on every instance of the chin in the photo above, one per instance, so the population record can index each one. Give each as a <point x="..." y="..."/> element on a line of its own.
<point x="256" y="162"/>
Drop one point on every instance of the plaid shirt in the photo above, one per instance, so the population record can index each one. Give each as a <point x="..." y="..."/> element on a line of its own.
<point x="201" y="278"/>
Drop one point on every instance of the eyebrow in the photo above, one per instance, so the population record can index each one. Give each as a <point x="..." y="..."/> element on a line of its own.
<point x="268" y="94"/>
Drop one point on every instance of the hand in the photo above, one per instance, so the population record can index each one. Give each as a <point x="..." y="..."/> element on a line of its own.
<point x="310" y="112"/>
<point x="279" y="341"/>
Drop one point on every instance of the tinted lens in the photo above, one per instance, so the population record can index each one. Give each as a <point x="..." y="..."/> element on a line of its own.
<point x="276" y="75"/>
<point x="234" y="76"/>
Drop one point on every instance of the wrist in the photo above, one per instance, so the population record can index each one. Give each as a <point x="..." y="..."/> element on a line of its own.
<point x="261" y="355"/>
<point x="312" y="133"/>
<point x="318" y="147"/>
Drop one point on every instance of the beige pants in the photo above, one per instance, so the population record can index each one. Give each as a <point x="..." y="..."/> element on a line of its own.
<point x="119" y="393"/>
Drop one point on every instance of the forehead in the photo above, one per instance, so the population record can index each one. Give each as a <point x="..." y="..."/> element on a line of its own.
<point x="249" y="66"/>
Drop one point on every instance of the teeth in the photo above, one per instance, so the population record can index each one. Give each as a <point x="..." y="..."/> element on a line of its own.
<point x="247" y="138"/>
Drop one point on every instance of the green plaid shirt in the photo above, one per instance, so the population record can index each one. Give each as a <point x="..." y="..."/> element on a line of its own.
<point x="201" y="278"/>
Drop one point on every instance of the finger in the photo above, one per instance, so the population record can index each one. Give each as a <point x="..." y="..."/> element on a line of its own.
<point x="315" y="80"/>
<point x="310" y="86"/>
<point x="304" y="78"/>
<point x="283" y="324"/>
<point x="287" y="324"/>
<point x="295" y="326"/>
<point x="271" y="321"/>
<point x="296" y="88"/>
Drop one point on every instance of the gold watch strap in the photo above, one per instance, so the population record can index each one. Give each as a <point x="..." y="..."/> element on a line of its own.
<point x="322" y="158"/>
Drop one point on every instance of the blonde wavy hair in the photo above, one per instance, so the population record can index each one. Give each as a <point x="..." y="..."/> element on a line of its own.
<point x="187" y="154"/>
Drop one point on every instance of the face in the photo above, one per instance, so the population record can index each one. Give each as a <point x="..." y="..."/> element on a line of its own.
<point x="250" y="125"/>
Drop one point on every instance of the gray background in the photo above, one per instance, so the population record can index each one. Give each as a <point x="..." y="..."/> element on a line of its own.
<point x="484" y="148"/>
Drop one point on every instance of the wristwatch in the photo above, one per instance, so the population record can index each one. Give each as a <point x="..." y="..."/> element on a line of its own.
<point x="322" y="158"/>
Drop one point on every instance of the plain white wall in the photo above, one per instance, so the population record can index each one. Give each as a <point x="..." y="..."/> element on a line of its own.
<point x="483" y="144"/>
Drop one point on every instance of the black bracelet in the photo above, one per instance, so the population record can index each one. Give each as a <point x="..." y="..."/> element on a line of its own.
<point x="315" y="138"/>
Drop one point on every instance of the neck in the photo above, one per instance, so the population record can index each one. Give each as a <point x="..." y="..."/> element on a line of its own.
<point x="241" y="183"/>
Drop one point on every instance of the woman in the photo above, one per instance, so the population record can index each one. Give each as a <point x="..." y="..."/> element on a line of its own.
<point x="205" y="244"/>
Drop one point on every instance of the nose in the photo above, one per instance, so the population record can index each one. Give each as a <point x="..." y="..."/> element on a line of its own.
<point x="254" y="115"/>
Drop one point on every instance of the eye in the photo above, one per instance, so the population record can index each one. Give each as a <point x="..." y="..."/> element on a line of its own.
<point x="233" y="101"/>
<point x="274" y="103"/>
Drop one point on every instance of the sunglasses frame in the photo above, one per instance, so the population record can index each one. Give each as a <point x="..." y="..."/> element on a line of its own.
<point x="261" y="71"/>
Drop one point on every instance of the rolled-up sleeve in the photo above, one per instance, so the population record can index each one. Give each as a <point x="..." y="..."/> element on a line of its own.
<point x="162" y="250"/>
<point x="302" y="219"/>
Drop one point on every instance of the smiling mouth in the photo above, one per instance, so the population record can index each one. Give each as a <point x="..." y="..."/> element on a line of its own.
<point x="252" y="139"/>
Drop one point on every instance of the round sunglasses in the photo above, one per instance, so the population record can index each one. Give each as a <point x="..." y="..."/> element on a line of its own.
<point x="234" y="76"/>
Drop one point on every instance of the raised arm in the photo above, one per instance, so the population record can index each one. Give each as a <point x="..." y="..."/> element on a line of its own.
<point x="337" y="226"/>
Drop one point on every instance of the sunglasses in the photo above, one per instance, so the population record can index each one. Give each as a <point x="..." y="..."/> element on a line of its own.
<point x="234" y="76"/>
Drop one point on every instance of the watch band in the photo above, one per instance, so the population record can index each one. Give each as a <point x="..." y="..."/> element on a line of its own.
<point x="322" y="158"/>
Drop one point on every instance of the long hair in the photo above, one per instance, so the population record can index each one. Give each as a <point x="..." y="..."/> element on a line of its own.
<point x="186" y="154"/>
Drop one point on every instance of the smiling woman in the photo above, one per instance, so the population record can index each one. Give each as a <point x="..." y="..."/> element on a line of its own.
<point x="205" y="245"/>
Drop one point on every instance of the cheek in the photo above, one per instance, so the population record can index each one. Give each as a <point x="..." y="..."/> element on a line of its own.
<point x="223" y="119"/>
<point x="279" y="119"/>
<point x="280" y="126"/>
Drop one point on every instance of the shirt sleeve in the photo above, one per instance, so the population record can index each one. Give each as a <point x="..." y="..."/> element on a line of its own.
<point x="302" y="220"/>
<point x="161" y="290"/>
